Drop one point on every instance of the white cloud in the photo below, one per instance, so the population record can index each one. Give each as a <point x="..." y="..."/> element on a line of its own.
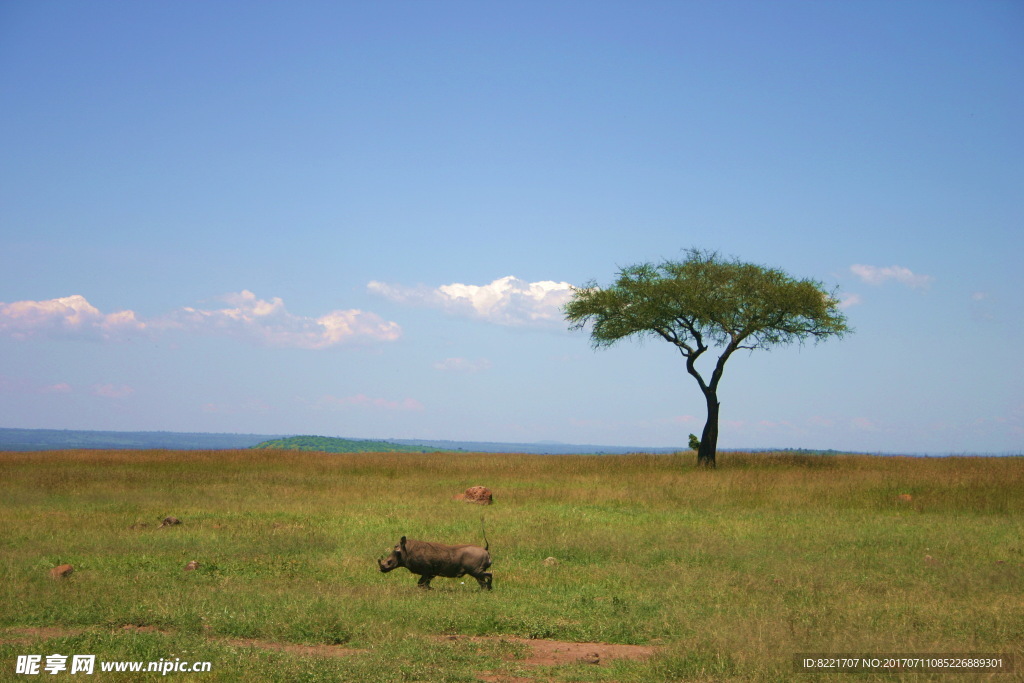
<point x="873" y="275"/>
<point x="70" y="316"/>
<point x="849" y="300"/>
<point x="506" y="301"/>
<point x="463" y="365"/>
<point x="245" y="316"/>
<point x="270" y="323"/>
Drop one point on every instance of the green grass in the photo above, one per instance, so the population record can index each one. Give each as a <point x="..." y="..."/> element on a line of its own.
<point x="730" y="572"/>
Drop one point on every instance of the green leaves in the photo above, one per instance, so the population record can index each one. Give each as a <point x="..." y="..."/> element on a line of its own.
<point x="705" y="301"/>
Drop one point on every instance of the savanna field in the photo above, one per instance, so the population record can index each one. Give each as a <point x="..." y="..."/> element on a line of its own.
<point x="720" y="575"/>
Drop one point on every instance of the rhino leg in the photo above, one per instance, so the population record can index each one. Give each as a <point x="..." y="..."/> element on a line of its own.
<point x="424" y="582"/>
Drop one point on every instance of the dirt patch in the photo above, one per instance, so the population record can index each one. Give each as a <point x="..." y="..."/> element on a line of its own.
<point x="307" y="650"/>
<point x="558" y="652"/>
<point x="555" y="652"/>
<point x="33" y="634"/>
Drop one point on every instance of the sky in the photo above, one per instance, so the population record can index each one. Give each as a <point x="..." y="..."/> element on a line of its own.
<point x="362" y="219"/>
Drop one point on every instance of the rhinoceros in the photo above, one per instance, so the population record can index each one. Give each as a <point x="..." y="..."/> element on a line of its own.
<point x="436" y="559"/>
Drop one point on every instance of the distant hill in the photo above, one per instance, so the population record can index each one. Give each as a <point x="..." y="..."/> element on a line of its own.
<point x="58" y="439"/>
<point x="327" y="444"/>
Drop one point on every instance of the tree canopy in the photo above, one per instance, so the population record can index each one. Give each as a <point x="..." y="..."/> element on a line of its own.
<point x="704" y="302"/>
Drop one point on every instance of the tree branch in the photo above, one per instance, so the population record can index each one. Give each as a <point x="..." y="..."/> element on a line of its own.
<point x="692" y="369"/>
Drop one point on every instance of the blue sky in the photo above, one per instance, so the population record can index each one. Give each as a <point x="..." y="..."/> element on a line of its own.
<point x="360" y="219"/>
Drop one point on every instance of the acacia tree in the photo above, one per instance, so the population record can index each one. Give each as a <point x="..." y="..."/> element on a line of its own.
<point x="706" y="302"/>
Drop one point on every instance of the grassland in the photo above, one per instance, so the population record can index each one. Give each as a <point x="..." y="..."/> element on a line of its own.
<point x="728" y="573"/>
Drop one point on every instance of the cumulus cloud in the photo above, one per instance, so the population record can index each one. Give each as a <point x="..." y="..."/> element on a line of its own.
<point x="874" y="275"/>
<point x="506" y="301"/>
<point x="70" y="316"/>
<point x="463" y="365"/>
<point x="243" y="315"/>
<point x="270" y="323"/>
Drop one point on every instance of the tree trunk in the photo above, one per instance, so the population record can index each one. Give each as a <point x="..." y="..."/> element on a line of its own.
<point x="709" y="439"/>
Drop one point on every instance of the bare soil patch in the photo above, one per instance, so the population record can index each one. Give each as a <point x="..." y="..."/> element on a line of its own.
<point x="32" y="634"/>
<point x="559" y="652"/>
<point x="554" y="652"/>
